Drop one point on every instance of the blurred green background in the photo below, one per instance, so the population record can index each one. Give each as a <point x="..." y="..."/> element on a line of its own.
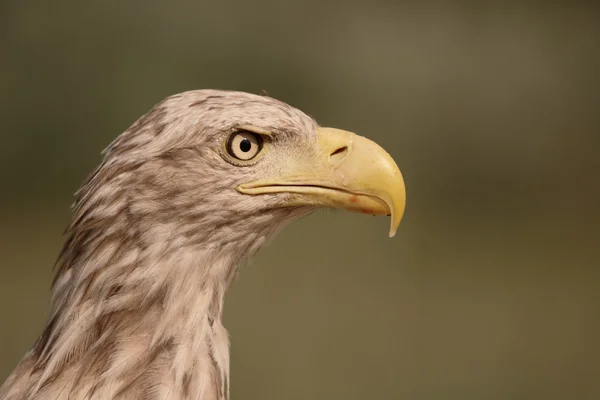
<point x="491" y="289"/>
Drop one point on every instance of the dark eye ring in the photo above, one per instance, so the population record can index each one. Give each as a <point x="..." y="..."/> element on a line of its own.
<point x="244" y="145"/>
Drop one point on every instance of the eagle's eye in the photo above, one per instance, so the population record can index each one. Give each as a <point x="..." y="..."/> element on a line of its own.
<point x="244" y="145"/>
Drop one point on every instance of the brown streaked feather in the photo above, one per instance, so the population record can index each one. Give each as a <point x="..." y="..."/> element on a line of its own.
<point x="157" y="233"/>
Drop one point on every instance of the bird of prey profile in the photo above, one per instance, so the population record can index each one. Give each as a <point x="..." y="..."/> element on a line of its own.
<point x="189" y="192"/>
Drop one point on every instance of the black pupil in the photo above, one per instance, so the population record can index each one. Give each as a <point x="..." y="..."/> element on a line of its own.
<point x="245" y="145"/>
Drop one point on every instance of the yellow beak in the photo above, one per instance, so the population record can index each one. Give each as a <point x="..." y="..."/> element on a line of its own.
<point x="348" y="171"/>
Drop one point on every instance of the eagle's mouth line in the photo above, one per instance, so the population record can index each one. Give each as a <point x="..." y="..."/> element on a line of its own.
<point x="284" y="186"/>
<point x="307" y="189"/>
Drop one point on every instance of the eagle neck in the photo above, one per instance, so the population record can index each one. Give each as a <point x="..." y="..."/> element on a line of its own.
<point x="131" y="322"/>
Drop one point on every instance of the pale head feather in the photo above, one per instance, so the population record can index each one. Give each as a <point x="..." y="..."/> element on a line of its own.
<point x="156" y="237"/>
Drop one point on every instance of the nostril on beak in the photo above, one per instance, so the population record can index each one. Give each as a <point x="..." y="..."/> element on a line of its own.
<point x="339" y="153"/>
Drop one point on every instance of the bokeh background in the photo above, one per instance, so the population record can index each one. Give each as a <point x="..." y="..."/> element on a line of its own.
<point x="492" y="110"/>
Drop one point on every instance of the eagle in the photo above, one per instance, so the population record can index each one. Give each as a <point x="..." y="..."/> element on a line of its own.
<point x="181" y="199"/>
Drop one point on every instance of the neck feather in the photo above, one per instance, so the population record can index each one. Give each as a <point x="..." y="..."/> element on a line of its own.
<point x="138" y="294"/>
<point x="138" y="326"/>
